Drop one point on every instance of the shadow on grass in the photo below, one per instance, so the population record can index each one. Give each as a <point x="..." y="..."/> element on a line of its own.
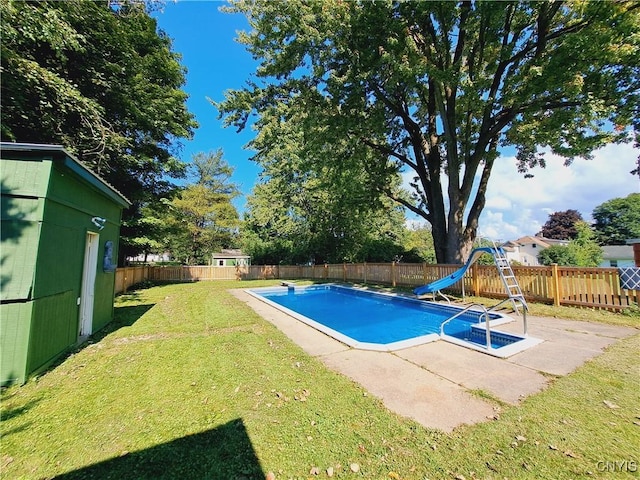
<point x="10" y="413"/>
<point x="122" y="317"/>
<point x="224" y="452"/>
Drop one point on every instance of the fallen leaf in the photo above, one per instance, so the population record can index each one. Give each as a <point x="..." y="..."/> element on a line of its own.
<point x="270" y="476"/>
<point x="553" y="447"/>
<point x="330" y="472"/>
<point x="610" y="404"/>
<point x="569" y="453"/>
<point x="460" y="477"/>
<point x="394" y="475"/>
<point x="314" y="471"/>
<point x="361" y="448"/>
<point x="355" y="468"/>
<point x="520" y="438"/>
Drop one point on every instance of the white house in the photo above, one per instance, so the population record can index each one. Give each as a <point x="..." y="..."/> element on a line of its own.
<point x="525" y="250"/>
<point x="230" y="258"/>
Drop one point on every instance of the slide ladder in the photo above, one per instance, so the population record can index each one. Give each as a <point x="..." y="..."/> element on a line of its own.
<point x="509" y="280"/>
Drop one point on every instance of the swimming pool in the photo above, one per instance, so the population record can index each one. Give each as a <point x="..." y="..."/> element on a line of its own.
<point x="379" y="321"/>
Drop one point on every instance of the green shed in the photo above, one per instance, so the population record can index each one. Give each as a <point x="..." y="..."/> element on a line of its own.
<point x="60" y="231"/>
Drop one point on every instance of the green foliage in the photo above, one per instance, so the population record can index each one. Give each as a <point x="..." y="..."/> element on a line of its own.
<point x="418" y="242"/>
<point x="201" y="218"/>
<point x="434" y="88"/>
<point x="562" y="225"/>
<point x="582" y="251"/>
<point x="311" y="220"/>
<point x="308" y="207"/>
<point x="560" y="254"/>
<point x="618" y="220"/>
<point x="104" y="83"/>
<point x="586" y="250"/>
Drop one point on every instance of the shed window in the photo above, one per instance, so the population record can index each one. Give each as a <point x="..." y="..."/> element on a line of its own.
<point x="221" y="263"/>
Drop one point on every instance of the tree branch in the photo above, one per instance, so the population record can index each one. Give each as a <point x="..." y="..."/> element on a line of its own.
<point x="389" y="151"/>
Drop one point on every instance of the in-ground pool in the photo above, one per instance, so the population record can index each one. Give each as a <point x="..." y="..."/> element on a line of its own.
<point x="379" y="321"/>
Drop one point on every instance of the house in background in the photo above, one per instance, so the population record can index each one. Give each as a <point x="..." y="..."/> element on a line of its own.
<point x="150" y="258"/>
<point x="60" y="232"/>
<point x="525" y="250"/>
<point x="230" y="258"/>
<point x="617" y="256"/>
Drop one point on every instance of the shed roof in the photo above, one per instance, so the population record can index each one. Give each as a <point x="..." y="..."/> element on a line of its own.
<point x="72" y="163"/>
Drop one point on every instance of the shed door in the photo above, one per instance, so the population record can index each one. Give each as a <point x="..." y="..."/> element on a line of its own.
<point x="87" y="292"/>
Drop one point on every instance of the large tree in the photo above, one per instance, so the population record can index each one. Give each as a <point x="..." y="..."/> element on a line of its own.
<point x="99" y="78"/>
<point x="301" y="216"/>
<point x="435" y="88"/>
<point x="201" y="219"/>
<point x="618" y="220"/>
<point x="562" y="225"/>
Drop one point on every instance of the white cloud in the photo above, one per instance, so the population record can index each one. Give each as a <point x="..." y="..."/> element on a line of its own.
<point x="518" y="206"/>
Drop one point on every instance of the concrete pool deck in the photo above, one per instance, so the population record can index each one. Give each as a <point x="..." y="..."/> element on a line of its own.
<point x="434" y="383"/>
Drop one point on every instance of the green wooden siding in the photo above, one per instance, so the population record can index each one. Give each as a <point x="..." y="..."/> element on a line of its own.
<point x="53" y="329"/>
<point x="14" y="339"/>
<point x="19" y="254"/>
<point x="48" y="203"/>
<point x="28" y="178"/>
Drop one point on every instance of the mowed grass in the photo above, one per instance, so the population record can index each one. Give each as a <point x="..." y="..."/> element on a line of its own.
<point x="189" y="383"/>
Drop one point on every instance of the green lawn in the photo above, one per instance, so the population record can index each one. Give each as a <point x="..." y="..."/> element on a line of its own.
<point x="189" y="383"/>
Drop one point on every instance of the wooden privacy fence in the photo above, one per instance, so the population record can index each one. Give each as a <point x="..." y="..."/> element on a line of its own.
<point x="585" y="287"/>
<point x="128" y="276"/>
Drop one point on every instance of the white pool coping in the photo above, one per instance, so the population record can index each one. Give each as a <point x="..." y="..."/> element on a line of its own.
<point x="502" y="352"/>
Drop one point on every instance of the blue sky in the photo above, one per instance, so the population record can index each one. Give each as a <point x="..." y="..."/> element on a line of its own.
<point x="205" y="37"/>
<point x="215" y="63"/>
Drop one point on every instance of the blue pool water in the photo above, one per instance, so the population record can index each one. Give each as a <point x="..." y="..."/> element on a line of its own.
<point x="369" y="317"/>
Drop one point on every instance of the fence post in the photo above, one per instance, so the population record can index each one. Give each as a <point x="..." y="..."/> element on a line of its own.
<point x="475" y="280"/>
<point x="365" y="272"/>
<point x="555" y="280"/>
<point x="124" y="280"/>
<point x="325" y="273"/>
<point x="393" y="274"/>
<point x="344" y="272"/>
